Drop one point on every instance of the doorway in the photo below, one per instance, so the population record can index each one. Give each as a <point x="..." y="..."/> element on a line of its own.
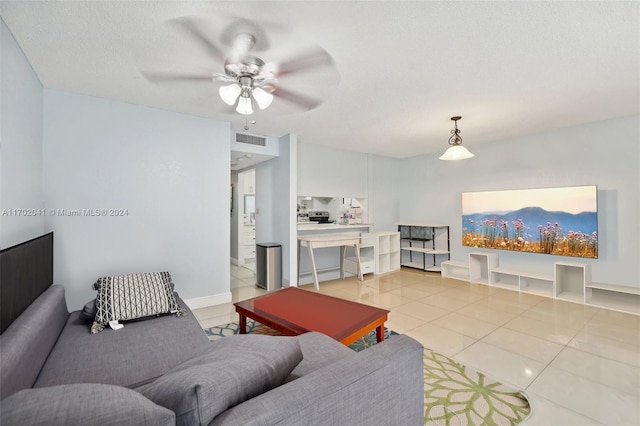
<point x="246" y="224"/>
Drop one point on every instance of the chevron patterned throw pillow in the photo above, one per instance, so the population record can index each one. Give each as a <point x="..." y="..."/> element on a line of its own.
<point x="127" y="297"/>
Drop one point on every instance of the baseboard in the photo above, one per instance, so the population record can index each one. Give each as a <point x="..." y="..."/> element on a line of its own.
<point x="234" y="261"/>
<point x="332" y="274"/>
<point x="205" y="301"/>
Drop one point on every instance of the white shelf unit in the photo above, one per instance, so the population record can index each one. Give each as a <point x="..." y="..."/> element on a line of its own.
<point x="571" y="280"/>
<point x="503" y="277"/>
<point x="455" y="269"/>
<point x="616" y="297"/>
<point x="386" y="250"/>
<point x="480" y="265"/>
<point x="367" y="260"/>
<point x="541" y="284"/>
<point x="424" y="246"/>
<point x="527" y="282"/>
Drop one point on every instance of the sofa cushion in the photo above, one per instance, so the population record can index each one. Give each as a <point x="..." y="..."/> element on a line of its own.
<point x="126" y="297"/>
<point x="82" y="404"/>
<point x="318" y="351"/>
<point x="235" y="369"/>
<point x="132" y="356"/>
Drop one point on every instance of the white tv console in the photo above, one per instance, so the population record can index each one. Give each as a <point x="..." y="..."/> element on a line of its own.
<point x="569" y="281"/>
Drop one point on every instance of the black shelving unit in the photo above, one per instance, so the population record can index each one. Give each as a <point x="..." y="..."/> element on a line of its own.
<point x="424" y="247"/>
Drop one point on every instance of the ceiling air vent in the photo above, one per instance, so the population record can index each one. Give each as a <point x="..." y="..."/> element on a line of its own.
<point x="250" y="139"/>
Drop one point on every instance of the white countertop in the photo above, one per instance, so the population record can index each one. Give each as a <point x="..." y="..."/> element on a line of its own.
<point x="305" y="226"/>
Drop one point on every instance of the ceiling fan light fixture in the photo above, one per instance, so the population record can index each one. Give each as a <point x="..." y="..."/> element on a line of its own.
<point x="244" y="106"/>
<point x="456" y="151"/>
<point x="230" y="93"/>
<point x="262" y="97"/>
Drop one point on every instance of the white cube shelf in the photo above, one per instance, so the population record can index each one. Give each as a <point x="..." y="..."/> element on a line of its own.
<point x="571" y="280"/>
<point x="455" y="270"/>
<point x="616" y="297"/>
<point x="386" y="250"/>
<point x="480" y="263"/>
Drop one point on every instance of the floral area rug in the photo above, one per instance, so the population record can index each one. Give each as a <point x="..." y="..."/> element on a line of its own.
<point x="254" y="327"/>
<point x="453" y="393"/>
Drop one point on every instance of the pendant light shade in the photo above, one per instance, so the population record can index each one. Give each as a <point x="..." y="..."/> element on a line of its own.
<point x="244" y="106"/>
<point x="456" y="151"/>
<point x="230" y="93"/>
<point x="263" y="98"/>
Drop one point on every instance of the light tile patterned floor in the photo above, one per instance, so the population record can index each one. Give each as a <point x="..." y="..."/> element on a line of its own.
<point x="579" y="365"/>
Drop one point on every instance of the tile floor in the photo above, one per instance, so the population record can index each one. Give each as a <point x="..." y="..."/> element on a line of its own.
<point x="579" y="365"/>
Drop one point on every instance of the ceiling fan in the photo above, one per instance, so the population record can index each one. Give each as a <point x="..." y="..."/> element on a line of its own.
<point x="247" y="80"/>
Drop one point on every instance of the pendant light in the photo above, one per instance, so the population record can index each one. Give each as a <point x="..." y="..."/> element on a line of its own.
<point x="456" y="151"/>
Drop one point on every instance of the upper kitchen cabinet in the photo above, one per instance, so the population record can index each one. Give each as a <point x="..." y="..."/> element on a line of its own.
<point x="249" y="182"/>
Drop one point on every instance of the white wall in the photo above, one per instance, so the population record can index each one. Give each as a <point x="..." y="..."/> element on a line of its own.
<point x="276" y="189"/>
<point x="20" y="145"/>
<point x="169" y="171"/>
<point x="234" y="218"/>
<point x="606" y="154"/>
<point x="331" y="172"/>
<point x="384" y="196"/>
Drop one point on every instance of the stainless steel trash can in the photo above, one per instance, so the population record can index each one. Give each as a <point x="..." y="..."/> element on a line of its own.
<point x="269" y="266"/>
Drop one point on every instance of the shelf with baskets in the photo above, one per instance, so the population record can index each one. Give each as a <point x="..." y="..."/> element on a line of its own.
<point x="423" y="246"/>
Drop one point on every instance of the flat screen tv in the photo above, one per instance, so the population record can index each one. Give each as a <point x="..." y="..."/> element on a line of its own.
<point x="559" y="221"/>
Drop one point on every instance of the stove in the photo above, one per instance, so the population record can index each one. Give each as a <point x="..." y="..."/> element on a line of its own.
<point x="319" y="216"/>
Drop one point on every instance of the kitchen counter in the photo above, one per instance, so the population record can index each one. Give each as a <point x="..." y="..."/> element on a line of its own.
<point x="306" y="226"/>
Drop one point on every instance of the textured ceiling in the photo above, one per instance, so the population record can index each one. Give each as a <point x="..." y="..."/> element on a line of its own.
<point x="508" y="68"/>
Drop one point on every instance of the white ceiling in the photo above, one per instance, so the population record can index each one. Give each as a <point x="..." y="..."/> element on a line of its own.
<point x="508" y="68"/>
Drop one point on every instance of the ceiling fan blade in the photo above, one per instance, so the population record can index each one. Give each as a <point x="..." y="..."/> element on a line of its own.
<point x="167" y="77"/>
<point x="303" y="101"/>
<point x="308" y="60"/>
<point x="223" y="78"/>
<point x="195" y="30"/>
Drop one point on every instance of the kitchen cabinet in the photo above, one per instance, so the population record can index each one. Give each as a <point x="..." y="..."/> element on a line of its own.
<point x="249" y="182"/>
<point x="249" y="242"/>
<point x="424" y="246"/>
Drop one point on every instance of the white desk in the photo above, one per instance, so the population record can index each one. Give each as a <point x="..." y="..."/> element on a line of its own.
<point x="329" y="240"/>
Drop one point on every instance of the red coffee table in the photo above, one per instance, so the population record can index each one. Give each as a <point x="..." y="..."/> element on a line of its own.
<point x="293" y="311"/>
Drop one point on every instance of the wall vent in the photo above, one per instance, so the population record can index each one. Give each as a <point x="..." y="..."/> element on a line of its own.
<point x="251" y="140"/>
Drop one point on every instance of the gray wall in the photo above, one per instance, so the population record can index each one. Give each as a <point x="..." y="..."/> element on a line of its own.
<point x="20" y="145"/>
<point x="233" y="245"/>
<point x="606" y="154"/>
<point x="276" y="215"/>
<point x="424" y="189"/>
<point x="169" y="171"/>
<point x="331" y="172"/>
<point x="384" y="195"/>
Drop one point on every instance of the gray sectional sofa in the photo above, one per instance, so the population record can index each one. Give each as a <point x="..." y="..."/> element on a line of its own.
<point x="164" y="370"/>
